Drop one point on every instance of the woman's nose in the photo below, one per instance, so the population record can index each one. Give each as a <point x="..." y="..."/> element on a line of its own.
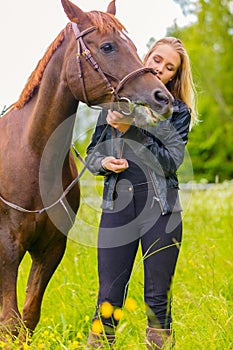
<point x="159" y="69"/>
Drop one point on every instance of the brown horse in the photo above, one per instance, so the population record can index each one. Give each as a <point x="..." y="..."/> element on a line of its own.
<point x="91" y="60"/>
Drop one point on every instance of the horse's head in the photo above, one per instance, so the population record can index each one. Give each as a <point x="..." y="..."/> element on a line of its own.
<point x="104" y="61"/>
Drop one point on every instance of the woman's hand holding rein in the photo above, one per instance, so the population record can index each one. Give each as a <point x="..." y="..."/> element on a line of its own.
<point x="119" y="121"/>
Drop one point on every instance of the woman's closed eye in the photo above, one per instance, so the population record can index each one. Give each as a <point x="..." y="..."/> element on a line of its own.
<point x="157" y="59"/>
<point x="170" y="68"/>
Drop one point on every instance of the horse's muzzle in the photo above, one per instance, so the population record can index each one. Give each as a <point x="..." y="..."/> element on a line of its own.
<point x="163" y="102"/>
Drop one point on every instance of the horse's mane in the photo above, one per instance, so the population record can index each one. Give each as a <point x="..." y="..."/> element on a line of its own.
<point x="104" y="22"/>
<point x="36" y="76"/>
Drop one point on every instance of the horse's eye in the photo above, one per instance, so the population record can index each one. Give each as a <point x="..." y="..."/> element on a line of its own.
<point x="107" y="48"/>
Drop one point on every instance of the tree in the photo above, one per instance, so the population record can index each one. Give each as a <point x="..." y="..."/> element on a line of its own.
<point x="209" y="42"/>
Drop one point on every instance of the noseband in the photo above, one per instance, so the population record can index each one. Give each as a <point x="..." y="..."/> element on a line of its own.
<point x="83" y="51"/>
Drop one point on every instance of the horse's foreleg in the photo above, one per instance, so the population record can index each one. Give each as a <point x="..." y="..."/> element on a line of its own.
<point x="9" y="313"/>
<point x="10" y="258"/>
<point x="44" y="263"/>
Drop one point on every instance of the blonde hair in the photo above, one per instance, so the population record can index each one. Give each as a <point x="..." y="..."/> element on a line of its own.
<point x="181" y="86"/>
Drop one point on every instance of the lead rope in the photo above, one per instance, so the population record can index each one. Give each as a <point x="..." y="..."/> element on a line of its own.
<point x="5" y="109"/>
<point x="64" y="194"/>
<point x="83" y="50"/>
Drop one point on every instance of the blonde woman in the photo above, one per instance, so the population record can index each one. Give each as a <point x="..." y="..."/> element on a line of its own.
<point x="141" y="201"/>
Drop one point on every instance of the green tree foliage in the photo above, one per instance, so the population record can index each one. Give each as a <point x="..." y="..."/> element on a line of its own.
<point x="209" y="43"/>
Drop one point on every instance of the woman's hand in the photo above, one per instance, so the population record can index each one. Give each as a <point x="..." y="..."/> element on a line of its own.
<point x="114" y="164"/>
<point x="119" y="121"/>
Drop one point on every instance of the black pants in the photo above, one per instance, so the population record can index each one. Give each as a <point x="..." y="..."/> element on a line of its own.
<point x="137" y="218"/>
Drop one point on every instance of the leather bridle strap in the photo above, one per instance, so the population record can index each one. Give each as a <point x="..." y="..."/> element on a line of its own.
<point x="84" y="51"/>
<point x="133" y="74"/>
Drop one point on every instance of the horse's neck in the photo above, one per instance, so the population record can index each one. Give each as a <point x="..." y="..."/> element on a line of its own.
<point x="52" y="105"/>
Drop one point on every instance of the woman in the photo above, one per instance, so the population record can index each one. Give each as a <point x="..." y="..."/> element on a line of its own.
<point x="140" y="198"/>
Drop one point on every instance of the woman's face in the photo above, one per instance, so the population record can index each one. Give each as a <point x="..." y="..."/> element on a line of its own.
<point x="165" y="61"/>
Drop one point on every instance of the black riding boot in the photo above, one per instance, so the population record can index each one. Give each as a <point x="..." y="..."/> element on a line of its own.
<point x="157" y="338"/>
<point x="99" y="341"/>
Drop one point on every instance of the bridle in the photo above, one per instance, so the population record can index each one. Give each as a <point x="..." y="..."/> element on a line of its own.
<point x="83" y="51"/>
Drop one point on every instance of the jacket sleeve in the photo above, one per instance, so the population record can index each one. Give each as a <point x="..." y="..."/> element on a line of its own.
<point x="162" y="149"/>
<point x="96" y="151"/>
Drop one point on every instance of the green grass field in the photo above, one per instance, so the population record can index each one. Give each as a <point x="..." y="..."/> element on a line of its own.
<point x="202" y="290"/>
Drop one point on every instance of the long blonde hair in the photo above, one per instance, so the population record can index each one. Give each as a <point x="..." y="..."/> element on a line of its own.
<point x="182" y="86"/>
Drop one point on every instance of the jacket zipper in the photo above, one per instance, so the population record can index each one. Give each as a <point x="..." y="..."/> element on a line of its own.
<point x="156" y="197"/>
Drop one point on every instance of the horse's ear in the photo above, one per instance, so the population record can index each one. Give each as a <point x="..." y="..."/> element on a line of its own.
<point x="112" y="8"/>
<point x="73" y="12"/>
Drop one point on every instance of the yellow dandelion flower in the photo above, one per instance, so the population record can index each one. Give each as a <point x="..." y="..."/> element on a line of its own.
<point x="2" y="344"/>
<point x="51" y="335"/>
<point x="97" y="327"/>
<point x="106" y="309"/>
<point x="79" y="335"/>
<point x="118" y="314"/>
<point x="87" y="318"/>
<point x="75" y="345"/>
<point x="40" y="346"/>
<point x="191" y="262"/>
<point x="130" y="304"/>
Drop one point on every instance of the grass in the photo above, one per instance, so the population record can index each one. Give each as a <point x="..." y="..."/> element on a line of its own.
<point x="203" y="284"/>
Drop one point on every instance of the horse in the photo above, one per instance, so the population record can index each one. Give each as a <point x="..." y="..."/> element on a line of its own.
<point x="92" y="60"/>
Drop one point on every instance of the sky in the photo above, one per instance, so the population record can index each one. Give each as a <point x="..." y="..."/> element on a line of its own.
<point x="27" y="28"/>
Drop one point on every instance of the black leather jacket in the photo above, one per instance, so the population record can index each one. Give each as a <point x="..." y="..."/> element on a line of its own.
<point x="160" y="148"/>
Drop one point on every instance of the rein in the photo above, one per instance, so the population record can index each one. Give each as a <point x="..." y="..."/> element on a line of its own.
<point x="83" y="51"/>
<point x="64" y="194"/>
<point x="5" y="109"/>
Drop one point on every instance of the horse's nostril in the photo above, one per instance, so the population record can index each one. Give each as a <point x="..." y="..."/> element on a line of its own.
<point x="161" y="97"/>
